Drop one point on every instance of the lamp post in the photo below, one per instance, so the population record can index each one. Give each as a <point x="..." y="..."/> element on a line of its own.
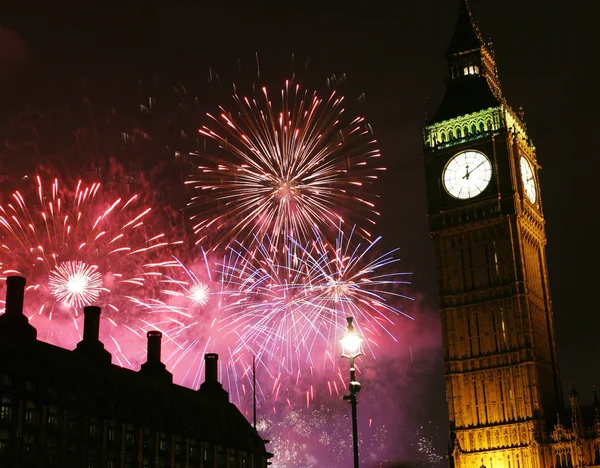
<point x="351" y="349"/>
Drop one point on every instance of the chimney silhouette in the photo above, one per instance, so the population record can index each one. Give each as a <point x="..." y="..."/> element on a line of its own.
<point x="211" y="360"/>
<point x="211" y="387"/>
<point x="13" y="323"/>
<point x="91" y="346"/>
<point x="153" y="367"/>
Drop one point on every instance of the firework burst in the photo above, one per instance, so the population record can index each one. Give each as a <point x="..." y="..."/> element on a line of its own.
<point x="287" y="311"/>
<point x="287" y="308"/>
<point x="76" y="247"/>
<point x="76" y="284"/>
<point x="182" y="290"/>
<point x="283" y="168"/>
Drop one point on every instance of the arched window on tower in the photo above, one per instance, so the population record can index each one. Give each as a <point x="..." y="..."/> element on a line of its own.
<point x="471" y="70"/>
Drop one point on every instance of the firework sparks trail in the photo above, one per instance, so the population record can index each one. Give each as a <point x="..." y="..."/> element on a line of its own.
<point x="283" y="168"/>
<point x="183" y="310"/>
<point x="76" y="247"/>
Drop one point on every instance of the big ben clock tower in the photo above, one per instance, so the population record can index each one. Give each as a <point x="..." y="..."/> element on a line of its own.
<point x="487" y="223"/>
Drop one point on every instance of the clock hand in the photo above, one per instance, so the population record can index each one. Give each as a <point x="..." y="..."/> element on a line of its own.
<point x="466" y="176"/>
<point x="476" y="167"/>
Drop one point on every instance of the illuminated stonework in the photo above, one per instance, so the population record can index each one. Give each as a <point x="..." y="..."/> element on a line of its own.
<point x="465" y="128"/>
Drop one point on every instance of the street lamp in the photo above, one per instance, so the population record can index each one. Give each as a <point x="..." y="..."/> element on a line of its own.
<point x="351" y="349"/>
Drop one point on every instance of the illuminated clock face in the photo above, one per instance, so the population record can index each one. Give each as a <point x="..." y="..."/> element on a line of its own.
<point x="467" y="174"/>
<point x="528" y="180"/>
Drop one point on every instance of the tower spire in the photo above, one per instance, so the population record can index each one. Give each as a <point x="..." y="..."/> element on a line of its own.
<point x="472" y="83"/>
<point x="466" y="34"/>
<point x="576" y="421"/>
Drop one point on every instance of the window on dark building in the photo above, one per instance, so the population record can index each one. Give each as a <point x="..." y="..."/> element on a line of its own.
<point x="6" y="381"/>
<point x="73" y="423"/>
<point x="209" y="454"/>
<point x="193" y="449"/>
<point x="93" y="402"/>
<point x="29" y="386"/>
<point x="111" y="433"/>
<point x="148" y="441"/>
<point x="4" y="449"/>
<point x="29" y="452"/>
<point x="234" y="458"/>
<point x="4" y="445"/>
<point x="6" y="409"/>
<point x="163" y="445"/>
<point x="221" y="456"/>
<point x="52" y="454"/>
<point x="178" y="447"/>
<point x="53" y="418"/>
<point x="31" y="414"/>
<point x="115" y="456"/>
<point x="130" y="436"/>
<point x="52" y="391"/>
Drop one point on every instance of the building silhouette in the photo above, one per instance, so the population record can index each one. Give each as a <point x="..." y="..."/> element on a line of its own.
<point x="486" y="220"/>
<point x="61" y="408"/>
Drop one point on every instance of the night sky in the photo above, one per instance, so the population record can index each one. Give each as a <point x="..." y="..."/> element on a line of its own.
<point x="394" y="56"/>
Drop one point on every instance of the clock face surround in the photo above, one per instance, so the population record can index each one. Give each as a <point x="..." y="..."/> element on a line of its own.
<point x="467" y="174"/>
<point x="528" y="180"/>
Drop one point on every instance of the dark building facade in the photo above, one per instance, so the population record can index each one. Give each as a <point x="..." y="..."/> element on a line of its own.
<point x="486" y="220"/>
<point x="61" y="408"/>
